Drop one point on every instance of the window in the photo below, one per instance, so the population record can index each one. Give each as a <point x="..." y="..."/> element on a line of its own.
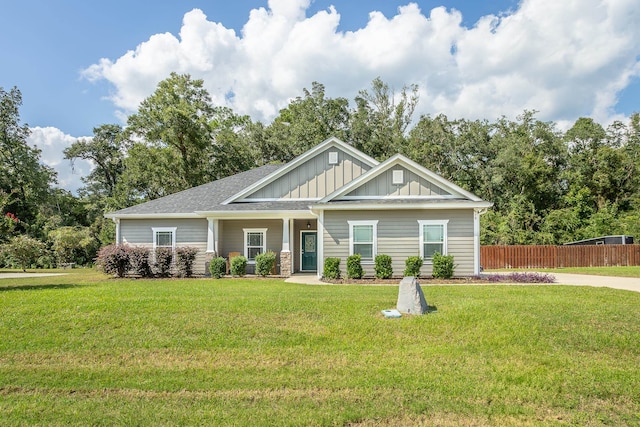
<point x="433" y="238"/>
<point x="255" y="242"/>
<point x="164" y="237"/>
<point x="363" y="236"/>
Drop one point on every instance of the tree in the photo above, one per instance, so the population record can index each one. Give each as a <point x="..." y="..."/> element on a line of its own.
<point x="305" y="122"/>
<point x="21" y="174"/>
<point x="105" y="151"/>
<point x="174" y="122"/>
<point x="73" y="244"/>
<point x="379" y="122"/>
<point x="24" y="251"/>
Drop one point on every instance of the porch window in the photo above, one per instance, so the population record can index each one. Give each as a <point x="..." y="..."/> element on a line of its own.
<point x="255" y="242"/>
<point x="363" y="239"/>
<point x="433" y="238"/>
<point x="164" y="237"/>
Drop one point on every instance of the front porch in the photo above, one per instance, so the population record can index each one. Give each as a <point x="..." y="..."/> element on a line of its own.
<point x="294" y="240"/>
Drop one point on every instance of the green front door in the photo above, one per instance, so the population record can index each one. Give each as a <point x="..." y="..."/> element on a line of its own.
<point x="309" y="251"/>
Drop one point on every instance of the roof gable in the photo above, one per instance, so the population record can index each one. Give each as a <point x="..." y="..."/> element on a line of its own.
<point x="313" y="175"/>
<point x="411" y="180"/>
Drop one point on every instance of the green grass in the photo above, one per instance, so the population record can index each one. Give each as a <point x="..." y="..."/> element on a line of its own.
<point x="83" y="349"/>
<point x="622" y="271"/>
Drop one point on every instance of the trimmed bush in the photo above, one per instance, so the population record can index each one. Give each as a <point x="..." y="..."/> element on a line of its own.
<point x="218" y="267"/>
<point x="354" y="266"/>
<point x="383" y="267"/>
<point x="442" y="266"/>
<point x="265" y="263"/>
<point x="331" y="268"/>
<point x="185" y="257"/>
<point x="164" y="259"/>
<point x="413" y="264"/>
<point x="139" y="261"/>
<point x="239" y="266"/>
<point x="113" y="259"/>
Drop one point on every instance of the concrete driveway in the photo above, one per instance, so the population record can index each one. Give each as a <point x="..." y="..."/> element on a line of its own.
<point x="27" y="275"/>
<point x="625" y="283"/>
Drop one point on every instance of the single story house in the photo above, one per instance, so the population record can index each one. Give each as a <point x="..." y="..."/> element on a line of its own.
<point x="331" y="201"/>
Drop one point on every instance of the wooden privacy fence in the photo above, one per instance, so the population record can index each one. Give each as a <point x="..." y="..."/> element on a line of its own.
<point x="548" y="256"/>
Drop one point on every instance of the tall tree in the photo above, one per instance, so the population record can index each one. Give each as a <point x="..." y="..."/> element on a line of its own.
<point x="381" y="118"/>
<point x="304" y="123"/>
<point x="21" y="173"/>
<point x="175" y="118"/>
<point x="106" y="151"/>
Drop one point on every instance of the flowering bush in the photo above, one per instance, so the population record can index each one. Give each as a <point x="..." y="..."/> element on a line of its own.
<point x="521" y="278"/>
<point x="185" y="257"/>
<point x="114" y="259"/>
<point x="139" y="260"/>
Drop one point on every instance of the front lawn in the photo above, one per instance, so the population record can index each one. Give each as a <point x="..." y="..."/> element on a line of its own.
<point x="83" y="349"/>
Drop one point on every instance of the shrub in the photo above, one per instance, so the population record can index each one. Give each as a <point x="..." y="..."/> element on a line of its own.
<point x="239" y="266"/>
<point x="218" y="267"/>
<point x="354" y="266"/>
<point x="164" y="259"/>
<point x="139" y="261"/>
<point x="442" y="266"/>
<point x="114" y="259"/>
<point x="413" y="264"/>
<point x="24" y="251"/>
<point x="265" y="263"/>
<point x="185" y="257"/>
<point x="331" y="268"/>
<point x="383" y="267"/>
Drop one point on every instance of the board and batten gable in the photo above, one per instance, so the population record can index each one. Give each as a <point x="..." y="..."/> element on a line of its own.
<point x="189" y="232"/>
<point x="398" y="236"/>
<point x="406" y="184"/>
<point x="319" y="176"/>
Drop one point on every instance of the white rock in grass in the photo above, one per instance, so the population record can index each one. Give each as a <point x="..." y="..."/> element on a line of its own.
<point x="410" y="297"/>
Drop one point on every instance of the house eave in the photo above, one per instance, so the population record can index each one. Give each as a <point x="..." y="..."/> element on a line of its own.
<point x="185" y="215"/>
<point x="400" y="206"/>
<point x="270" y="214"/>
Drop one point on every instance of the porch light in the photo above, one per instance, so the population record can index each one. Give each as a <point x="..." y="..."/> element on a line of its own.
<point x="308" y="225"/>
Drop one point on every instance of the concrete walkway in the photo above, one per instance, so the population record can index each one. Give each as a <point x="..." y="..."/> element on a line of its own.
<point x="624" y="283"/>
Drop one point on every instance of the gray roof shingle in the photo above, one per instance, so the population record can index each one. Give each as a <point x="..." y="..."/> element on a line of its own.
<point x="206" y="197"/>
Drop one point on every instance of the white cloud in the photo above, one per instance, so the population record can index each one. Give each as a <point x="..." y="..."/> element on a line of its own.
<point x="52" y="142"/>
<point x="566" y="58"/>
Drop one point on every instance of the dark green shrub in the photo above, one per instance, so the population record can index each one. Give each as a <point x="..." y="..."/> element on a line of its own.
<point x="113" y="259"/>
<point x="239" y="266"/>
<point x="331" y="268"/>
<point x="164" y="259"/>
<point x="383" y="267"/>
<point x="413" y="264"/>
<point x="218" y="267"/>
<point x="185" y="257"/>
<point x="354" y="266"/>
<point x="265" y="263"/>
<point x="139" y="261"/>
<point x="442" y="266"/>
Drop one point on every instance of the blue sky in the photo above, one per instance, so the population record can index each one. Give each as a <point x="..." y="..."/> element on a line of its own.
<point x="80" y="64"/>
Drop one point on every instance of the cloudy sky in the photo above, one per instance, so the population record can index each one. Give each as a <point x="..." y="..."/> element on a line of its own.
<point x="80" y="64"/>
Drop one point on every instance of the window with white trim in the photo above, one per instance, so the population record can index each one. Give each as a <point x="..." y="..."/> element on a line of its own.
<point x="255" y="243"/>
<point x="363" y="239"/>
<point x="433" y="238"/>
<point x="164" y="237"/>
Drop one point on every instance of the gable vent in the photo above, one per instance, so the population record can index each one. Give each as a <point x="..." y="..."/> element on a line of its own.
<point x="333" y="157"/>
<point x="398" y="177"/>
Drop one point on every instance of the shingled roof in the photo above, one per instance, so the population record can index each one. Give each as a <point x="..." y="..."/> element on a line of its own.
<point x="205" y="197"/>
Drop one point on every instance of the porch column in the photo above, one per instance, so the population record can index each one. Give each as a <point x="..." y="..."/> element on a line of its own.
<point x="320" y="240"/>
<point x="212" y="235"/>
<point x="117" y="221"/>
<point x="285" y="253"/>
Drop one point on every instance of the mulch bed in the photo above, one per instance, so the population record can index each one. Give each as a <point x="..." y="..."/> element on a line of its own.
<point x="424" y="281"/>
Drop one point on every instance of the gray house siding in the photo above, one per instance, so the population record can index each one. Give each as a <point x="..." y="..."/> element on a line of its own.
<point x="413" y="185"/>
<point x="189" y="232"/>
<point x="315" y="178"/>
<point x="398" y="236"/>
